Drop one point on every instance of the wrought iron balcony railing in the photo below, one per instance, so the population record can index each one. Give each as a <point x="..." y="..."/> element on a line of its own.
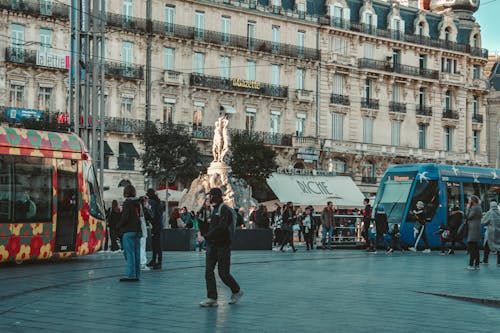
<point x="397" y="107"/>
<point x="477" y="118"/>
<point x="20" y="56"/>
<point x="124" y="125"/>
<point x="124" y="70"/>
<point x="125" y="22"/>
<point x="388" y="66"/>
<point x="450" y="114"/>
<point x="423" y="110"/>
<point x="369" y="103"/>
<point x="339" y="99"/>
<point x="244" y="86"/>
<point x="37" y="8"/>
<point x="248" y="43"/>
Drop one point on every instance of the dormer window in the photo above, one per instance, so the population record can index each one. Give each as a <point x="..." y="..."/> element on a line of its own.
<point x="421" y="31"/>
<point x="447" y="34"/>
<point x="475" y="41"/>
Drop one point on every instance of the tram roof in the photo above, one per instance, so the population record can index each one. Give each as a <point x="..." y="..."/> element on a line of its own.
<point x="453" y="171"/>
<point x="33" y="139"/>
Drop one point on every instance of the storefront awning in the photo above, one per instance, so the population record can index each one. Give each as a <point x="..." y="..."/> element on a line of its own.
<point x="128" y="149"/>
<point x="107" y="148"/>
<point x="316" y="190"/>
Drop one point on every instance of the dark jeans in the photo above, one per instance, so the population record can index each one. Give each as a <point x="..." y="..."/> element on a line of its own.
<point x="222" y="257"/>
<point x="366" y="237"/>
<point x="308" y="237"/>
<point x="287" y="238"/>
<point x="114" y="239"/>
<point x="473" y="253"/>
<point x="396" y="244"/>
<point x="156" y="246"/>
<point x="424" y="237"/>
<point x="487" y="251"/>
<point x="278" y="236"/>
<point x="380" y="239"/>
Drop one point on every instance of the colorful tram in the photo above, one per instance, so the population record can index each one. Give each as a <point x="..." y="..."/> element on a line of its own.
<point x="50" y="203"/>
<point x="441" y="187"/>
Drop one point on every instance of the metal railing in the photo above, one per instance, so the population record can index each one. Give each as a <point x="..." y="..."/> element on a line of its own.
<point x="477" y="118"/>
<point x="339" y="99"/>
<point x="248" y="87"/>
<point x="450" y="114"/>
<point x="388" y="66"/>
<point x="369" y="103"/>
<point x="124" y="125"/>
<point x="36" y="8"/>
<point x="124" y="70"/>
<point x="20" y="56"/>
<point x="423" y="110"/>
<point x="397" y="107"/>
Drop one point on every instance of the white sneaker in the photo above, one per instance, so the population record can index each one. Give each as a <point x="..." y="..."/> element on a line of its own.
<point x="427" y="251"/>
<point x="389" y="251"/>
<point x="412" y="249"/>
<point x="236" y="297"/>
<point x="145" y="268"/>
<point x="208" y="303"/>
<point x="470" y="268"/>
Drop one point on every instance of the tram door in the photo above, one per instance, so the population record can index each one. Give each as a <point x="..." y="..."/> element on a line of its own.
<point x="67" y="208"/>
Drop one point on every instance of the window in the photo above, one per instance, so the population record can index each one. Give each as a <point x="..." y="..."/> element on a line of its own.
<point x="199" y="63"/>
<point x="45" y="40"/>
<point x="225" y="67"/>
<point x="422" y="61"/>
<point x="301" y="36"/>
<point x="250" y="119"/>
<point x="447" y="100"/>
<point x="448" y="65"/>
<point x="368" y="172"/>
<point x="337" y="15"/>
<point x="46" y="7"/>
<point x="475" y="141"/>
<point x="169" y="58"/>
<point x="422" y="132"/>
<point x="168" y="110"/>
<point x="169" y="18"/>
<point x="395" y="132"/>
<point x="300" y="124"/>
<point x="127" y="52"/>
<point x="300" y="74"/>
<point x="475" y="106"/>
<point x="275" y="43"/>
<point x="367" y="92"/>
<point x="475" y="41"/>
<point x="447" y="34"/>
<point x="226" y="29"/>
<point x="396" y="93"/>
<point x="338" y="84"/>
<point x="251" y="34"/>
<point x="127" y="8"/>
<point x="368" y="51"/>
<point x="32" y="177"/>
<point x="199" y="25"/>
<point x="16" y="95"/>
<point x="275" y="122"/>
<point x="251" y="70"/>
<point x="45" y="99"/>
<point x="339" y="166"/>
<point x="17" y="42"/>
<point x="368" y="25"/>
<point x="396" y="58"/>
<point x="127" y="156"/>
<point x="301" y="8"/>
<point x="338" y="45"/>
<point x="337" y="126"/>
<point x="421" y="97"/>
<point x="95" y="203"/>
<point x="367" y="130"/>
<point x="275" y="75"/>
<point x="421" y="29"/>
<point x="198" y="111"/>
<point x="476" y="72"/>
<point x="397" y="28"/>
<point x="127" y="105"/>
<point x="448" y="138"/>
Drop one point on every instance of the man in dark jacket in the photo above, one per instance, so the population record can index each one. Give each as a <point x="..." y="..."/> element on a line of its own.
<point x="219" y="250"/>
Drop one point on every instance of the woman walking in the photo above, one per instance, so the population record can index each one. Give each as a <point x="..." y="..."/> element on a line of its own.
<point x="474" y="215"/>
<point x="156" y="215"/>
<point x="114" y="217"/>
<point x="130" y="228"/>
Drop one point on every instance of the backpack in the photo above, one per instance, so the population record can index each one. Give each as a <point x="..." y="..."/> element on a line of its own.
<point x="232" y="225"/>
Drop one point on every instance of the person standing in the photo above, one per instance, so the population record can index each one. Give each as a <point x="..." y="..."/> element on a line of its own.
<point x="308" y="229"/>
<point x="218" y="252"/>
<point x="114" y="216"/>
<point x="289" y="219"/>
<point x="420" y="217"/>
<point x="367" y="215"/>
<point x="156" y="216"/>
<point x="328" y="223"/>
<point x="492" y="237"/>
<point x="382" y="227"/>
<point x="130" y="228"/>
<point x="474" y="215"/>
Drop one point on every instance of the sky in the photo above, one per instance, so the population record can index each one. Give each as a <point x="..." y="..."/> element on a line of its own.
<point x="488" y="17"/>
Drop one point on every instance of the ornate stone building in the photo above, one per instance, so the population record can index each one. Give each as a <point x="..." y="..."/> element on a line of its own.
<point x="493" y="112"/>
<point x="343" y="85"/>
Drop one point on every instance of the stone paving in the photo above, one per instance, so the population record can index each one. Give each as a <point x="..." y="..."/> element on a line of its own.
<point x="307" y="291"/>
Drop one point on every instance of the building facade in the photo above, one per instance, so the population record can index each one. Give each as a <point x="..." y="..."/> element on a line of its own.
<point x="350" y="86"/>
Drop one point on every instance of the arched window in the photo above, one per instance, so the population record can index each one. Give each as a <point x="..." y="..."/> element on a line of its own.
<point x="421" y="29"/>
<point x="447" y="34"/>
<point x="124" y="182"/>
<point x="368" y="173"/>
<point x="339" y="166"/>
<point x="475" y="41"/>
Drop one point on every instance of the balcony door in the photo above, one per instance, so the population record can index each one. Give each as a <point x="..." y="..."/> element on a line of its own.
<point x="17" y="42"/>
<point x="199" y="25"/>
<point x="127" y="55"/>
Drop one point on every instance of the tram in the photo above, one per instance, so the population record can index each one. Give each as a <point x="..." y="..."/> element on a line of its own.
<point x="441" y="187"/>
<point x="50" y="204"/>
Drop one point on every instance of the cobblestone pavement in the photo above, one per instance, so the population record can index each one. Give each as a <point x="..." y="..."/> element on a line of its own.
<point x="307" y="291"/>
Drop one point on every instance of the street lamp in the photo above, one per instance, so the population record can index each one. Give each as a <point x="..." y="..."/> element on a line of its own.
<point x="169" y="179"/>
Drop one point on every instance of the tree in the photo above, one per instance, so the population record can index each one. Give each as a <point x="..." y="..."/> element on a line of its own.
<point x="169" y="151"/>
<point x="252" y="161"/>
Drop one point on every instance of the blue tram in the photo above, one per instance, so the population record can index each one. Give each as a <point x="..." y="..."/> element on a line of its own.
<point x="441" y="187"/>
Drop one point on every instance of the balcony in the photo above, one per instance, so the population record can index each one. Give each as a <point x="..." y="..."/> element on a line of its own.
<point x="369" y="180"/>
<point x="238" y="85"/>
<point x="423" y="111"/>
<point x="242" y="42"/>
<point x="388" y="66"/>
<point x="453" y="78"/>
<point x="477" y="118"/>
<point x="37" y="8"/>
<point x="339" y="99"/>
<point x="124" y="125"/>
<point x="124" y="70"/>
<point x="397" y="107"/>
<point x="20" y="56"/>
<point x="450" y="114"/>
<point x="304" y="95"/>
<point x="172" y="77"/>
<point x="125" y="22"/>
<point x="368" y="103"/>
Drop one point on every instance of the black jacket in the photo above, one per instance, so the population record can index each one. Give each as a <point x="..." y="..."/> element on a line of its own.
<point x="218" y="229"/>
<point x="381" y="223"/>
<point x="130" y="221"/>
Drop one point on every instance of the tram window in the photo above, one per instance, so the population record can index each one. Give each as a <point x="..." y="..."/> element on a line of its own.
<point x="33" y="189"/>
<point x="489" y="192"/>
<point x="95" y="202"/>
<point x="453" y="195"/>
<point x="427" y="192"/>
<point x="471" y="189"/>
<point x="5" y="188"/>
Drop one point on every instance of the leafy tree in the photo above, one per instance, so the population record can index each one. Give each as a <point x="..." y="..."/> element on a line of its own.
<point x="252" y="161"/>
<point x="169" y="151"/>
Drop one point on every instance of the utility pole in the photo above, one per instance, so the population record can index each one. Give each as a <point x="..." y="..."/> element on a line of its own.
<point x="149" y="32"/>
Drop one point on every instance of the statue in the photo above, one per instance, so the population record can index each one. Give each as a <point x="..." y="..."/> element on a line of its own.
<point x="220" y="145"/>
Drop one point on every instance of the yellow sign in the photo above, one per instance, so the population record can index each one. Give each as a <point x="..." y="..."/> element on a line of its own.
<point x="245" y="84"/>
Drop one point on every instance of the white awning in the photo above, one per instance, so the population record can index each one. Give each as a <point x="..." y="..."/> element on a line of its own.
<point x="316" y="190"/>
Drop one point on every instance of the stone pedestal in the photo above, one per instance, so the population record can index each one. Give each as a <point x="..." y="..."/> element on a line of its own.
<point x="219" y="168"/>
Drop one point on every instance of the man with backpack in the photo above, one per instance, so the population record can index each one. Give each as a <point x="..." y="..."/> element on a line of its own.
<point x="218" y="239"/>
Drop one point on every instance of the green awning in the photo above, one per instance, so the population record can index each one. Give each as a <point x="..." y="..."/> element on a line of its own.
<point x="127" y="149"/>
<point x="107" y="148"/>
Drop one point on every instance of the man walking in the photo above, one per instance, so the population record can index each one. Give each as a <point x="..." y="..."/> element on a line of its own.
<point x="219" y="250"/>
<point x="328" y="223"/>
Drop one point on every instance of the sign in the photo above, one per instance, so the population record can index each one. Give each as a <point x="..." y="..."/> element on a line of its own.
<point x="308" y="151"/>
<point x="308" y="157"/>
<point x="19" y="114"/>
<point x="305" y="172"/>
<point x="47" y="59"/>
<point x="245" y="84"/>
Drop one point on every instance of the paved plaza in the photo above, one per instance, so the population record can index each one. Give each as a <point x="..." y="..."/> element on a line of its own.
<point x="309" y="291"/>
